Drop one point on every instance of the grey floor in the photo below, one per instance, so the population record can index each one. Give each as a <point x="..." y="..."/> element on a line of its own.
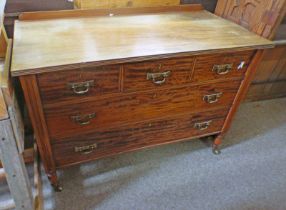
<point x="249" y="174"/>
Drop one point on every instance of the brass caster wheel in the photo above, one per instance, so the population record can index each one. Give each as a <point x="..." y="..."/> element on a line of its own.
<point x="58" y="188"/>
<point x="216" y="150"/>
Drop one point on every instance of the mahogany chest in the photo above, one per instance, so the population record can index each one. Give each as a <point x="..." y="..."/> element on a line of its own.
<point x="102" y="82"/>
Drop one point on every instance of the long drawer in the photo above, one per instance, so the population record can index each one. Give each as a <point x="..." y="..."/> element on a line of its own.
<point x="74" y="118"/>
<point x="108" y="142"/>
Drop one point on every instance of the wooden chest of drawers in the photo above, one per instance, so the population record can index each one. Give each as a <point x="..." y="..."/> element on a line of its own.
<point x="135" y="89"/>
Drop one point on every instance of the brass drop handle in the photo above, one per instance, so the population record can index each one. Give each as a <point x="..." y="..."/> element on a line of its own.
<point x="86" y="149"/>
<point x="222" y="69"/>
<point x="83" y="119"/>
<point x="158" y="78"/>
<point x="81" y="88"/>
<point x="202" y="125"/>
<point x="212" y="98"/>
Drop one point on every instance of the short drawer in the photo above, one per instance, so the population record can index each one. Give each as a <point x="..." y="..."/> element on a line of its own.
<point x="108" y="142"/>
<point x="78" y="83"/>
<point x="75" y="118"/>
<point x="161" y="73"/>
<point x="222" y="66"/>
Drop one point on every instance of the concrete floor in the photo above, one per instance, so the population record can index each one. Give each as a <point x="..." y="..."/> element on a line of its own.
<point x="250" y="173"/>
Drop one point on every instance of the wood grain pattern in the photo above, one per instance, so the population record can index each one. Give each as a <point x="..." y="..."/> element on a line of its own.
<point x="16" y="173"/>
<point x="3" y="42"/>
<point x="130" y="108"/>
<point x="263" y="18"/>
<point x="34" y="104"/>
<point x="136" y="136"/>
<point x="9" y="105"/>
<point x="241" y="93"/>
<point x="273" y="66"/>
<point x="5" y="58"/>
<point x="2" y="8"/>
<point x="3" y="36"/>
<point x="145" y="36"/>
<point x="96" y="4"/>
<point x="5" y="79"/>
<point x="135" y="74"/>
<point x="204" y="66"/>
<point x="270" y="79"/>
<point x="38" y="194"/>
<point x="3" y="108"/>
<point x="265" y="91"/>
<point x="5" y="52"/>
<point x="135" y="116"/>
<point x="14" y="7"/>
<point x="260" y="16"/>
<point x="42" y="15"/>
<point x="55" y="88"/>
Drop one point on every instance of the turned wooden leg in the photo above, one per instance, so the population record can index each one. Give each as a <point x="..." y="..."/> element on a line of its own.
<point x="216" y="144"/>
<point x="54" y="181"/>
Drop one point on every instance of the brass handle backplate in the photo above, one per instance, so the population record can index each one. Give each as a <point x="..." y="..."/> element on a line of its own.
<point x="212" y="98"/>
<point x="202" y="125"/>
<point x="85" y="149"/>
<point x="222" y="69"/>
<point x="83" y="119"/>
<point x="158" y="78"/>
<point x="81" y="88"/>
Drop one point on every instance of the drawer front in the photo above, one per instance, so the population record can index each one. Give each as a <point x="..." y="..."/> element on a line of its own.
<point x="69" y="120"/>
<point x="108" y="142"/>
<point x="78" y="83"/>
<point x="162" y="73"/>
<point x="222" y="66"/>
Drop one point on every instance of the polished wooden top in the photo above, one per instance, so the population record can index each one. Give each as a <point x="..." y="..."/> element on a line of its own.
<point x="79" y="41"/>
